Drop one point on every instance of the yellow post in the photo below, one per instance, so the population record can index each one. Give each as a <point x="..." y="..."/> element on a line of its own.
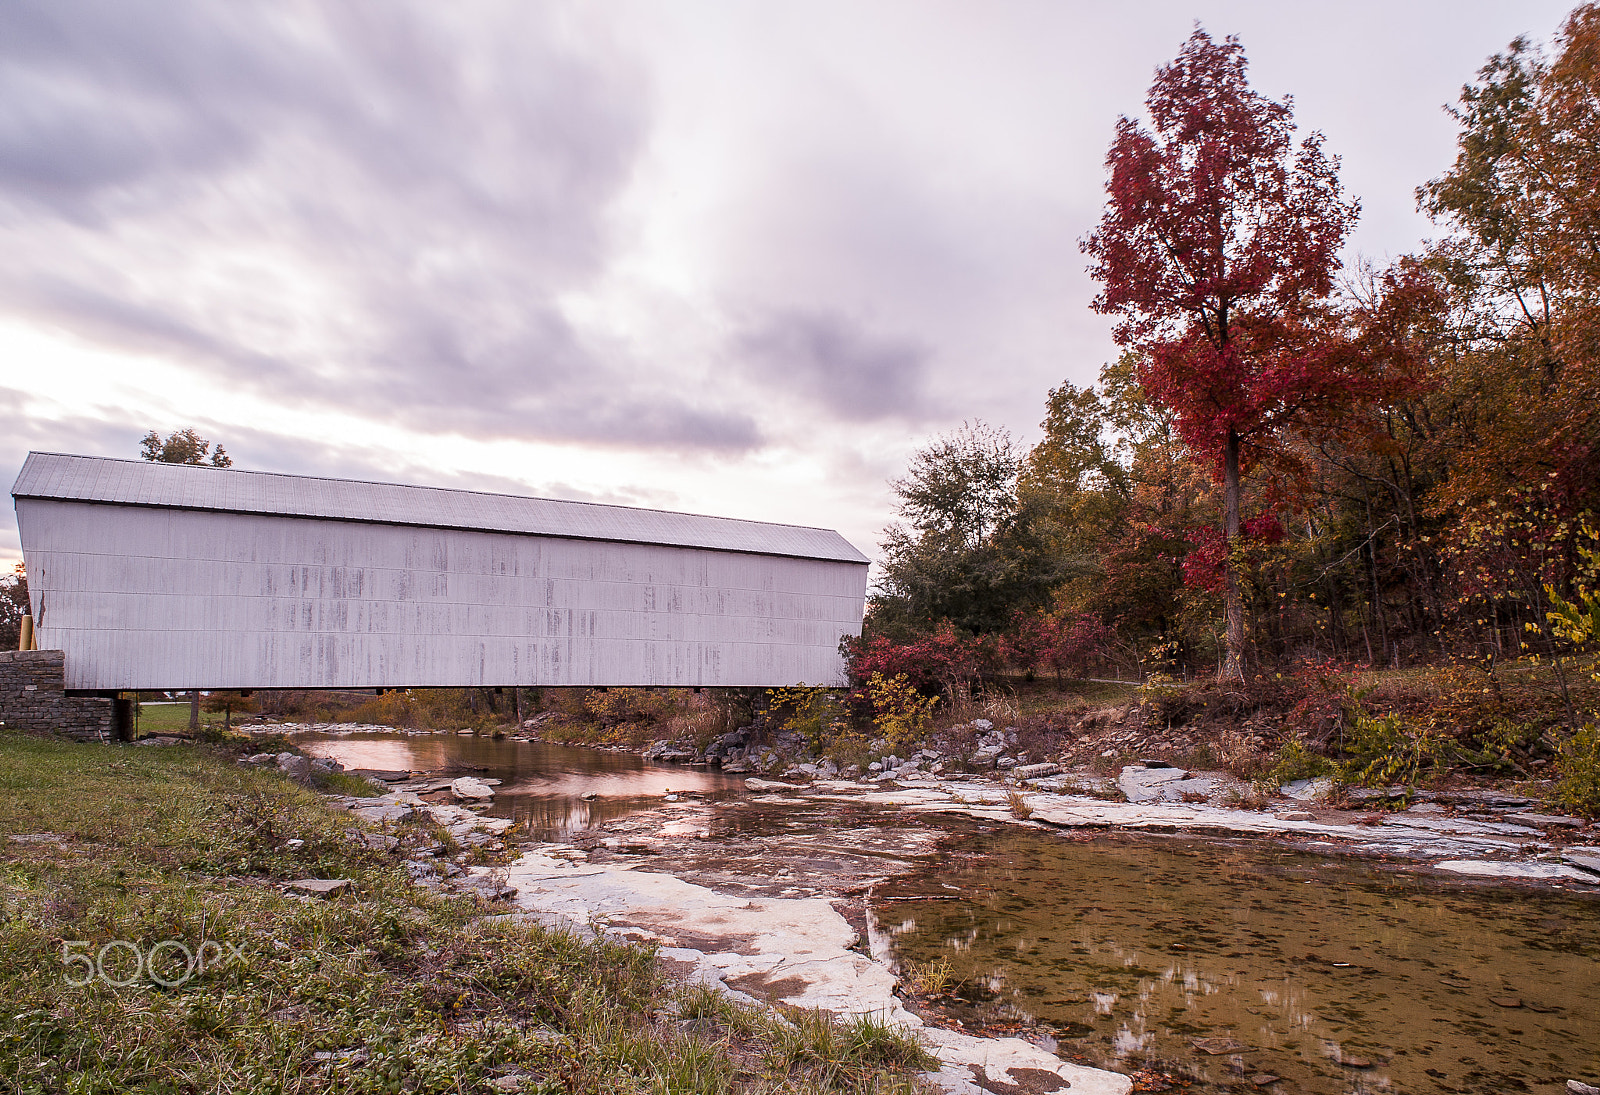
<point x="25" y="640"/>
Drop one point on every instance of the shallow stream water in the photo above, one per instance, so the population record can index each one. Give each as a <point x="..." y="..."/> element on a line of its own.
<point x="1222" y="964"/>
<point x="542" y="785"/>
<point x="1203" y="964"/>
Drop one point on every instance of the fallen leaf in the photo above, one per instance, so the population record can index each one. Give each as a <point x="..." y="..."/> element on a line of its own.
<point x="1218" y="1046"/>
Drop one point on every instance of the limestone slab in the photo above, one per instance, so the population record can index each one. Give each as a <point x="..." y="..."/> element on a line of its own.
<point x="1541" y="872"/>
<point x="794" y="951"/>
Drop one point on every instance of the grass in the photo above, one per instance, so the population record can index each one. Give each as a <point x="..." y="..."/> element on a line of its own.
<point x="169" y="718"/>
<point x="388" y="987"/>
<point x="1042" y="696"/>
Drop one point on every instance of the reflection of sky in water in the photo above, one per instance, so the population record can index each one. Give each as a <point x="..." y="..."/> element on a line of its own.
<point x="542" y="785"/>
<point x="1131" y="949"/>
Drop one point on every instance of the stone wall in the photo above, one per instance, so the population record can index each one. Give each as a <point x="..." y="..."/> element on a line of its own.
<point x="33" y="697"/>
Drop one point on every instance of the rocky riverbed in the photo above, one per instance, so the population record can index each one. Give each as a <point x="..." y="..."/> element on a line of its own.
<point x="770" y="894"/>
<point x="1480" y="832"/>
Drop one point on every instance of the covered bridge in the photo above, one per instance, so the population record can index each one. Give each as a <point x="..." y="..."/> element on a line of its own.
<point x="164" y="576"/>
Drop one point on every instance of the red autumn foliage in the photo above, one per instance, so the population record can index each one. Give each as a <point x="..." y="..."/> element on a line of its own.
<point x="1216" y="251"/>
<point x="1067" y="644"/>
<point x="1217" y="238"/>
<point x="1205" y="563"/>
<point x="943" y="659"/>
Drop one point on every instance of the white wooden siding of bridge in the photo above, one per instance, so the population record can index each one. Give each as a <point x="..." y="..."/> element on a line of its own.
<point x="141" y="594"/>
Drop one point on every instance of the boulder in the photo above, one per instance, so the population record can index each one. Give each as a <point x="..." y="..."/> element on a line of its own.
<point x="487" y="885"/>
<point x="460" y="821"/>
<point x="319" y="887"/>
<point x="296" y="768"/>
<point x="383" y="775"/>
<point x="470" y="788"/>
<point x="1546" y="821"/>
<point x="771" y="785"/>
<point x="1307" y="790"/>
<point x="668" y="751"/>
<point x="1140" y="784"/>
<point x="1587" y="859"/>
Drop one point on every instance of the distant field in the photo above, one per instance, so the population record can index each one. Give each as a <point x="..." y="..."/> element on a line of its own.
<point x="165" y="717"/>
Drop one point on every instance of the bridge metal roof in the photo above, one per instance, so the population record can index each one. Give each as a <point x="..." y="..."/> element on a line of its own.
<point x="69" y="478"/>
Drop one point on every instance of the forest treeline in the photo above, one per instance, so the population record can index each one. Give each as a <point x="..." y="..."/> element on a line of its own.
<point x="1412" y="452"/>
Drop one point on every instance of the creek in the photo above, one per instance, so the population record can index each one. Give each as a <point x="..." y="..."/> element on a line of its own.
<point x="1200" y="964"/>
<point x="554" y="790"/>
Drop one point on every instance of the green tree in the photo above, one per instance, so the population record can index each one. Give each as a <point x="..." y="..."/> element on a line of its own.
<point x="969" y="550"/>
<point x="1525" y="262"/>
<point x="182" y="447"/>
<point x="1073" y="480"/>
<point x="13" y="606"/>
<point x="228" y="701"/>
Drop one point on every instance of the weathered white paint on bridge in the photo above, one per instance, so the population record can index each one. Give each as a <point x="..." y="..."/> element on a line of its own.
<point x="164" y="576"/>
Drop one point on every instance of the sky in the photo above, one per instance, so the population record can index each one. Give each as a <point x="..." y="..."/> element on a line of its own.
<point x="723" y="257"/>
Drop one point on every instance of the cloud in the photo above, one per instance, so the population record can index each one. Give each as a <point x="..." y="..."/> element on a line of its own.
<point x="375" y="207"/>
<point x="833" y="361"/>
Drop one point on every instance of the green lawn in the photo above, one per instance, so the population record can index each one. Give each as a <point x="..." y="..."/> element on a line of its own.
<point x="163" y="718"/>
<point x="138" y="853"/>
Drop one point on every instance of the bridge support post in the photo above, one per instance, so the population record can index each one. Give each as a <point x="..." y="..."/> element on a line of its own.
<point x="122" y="713"/>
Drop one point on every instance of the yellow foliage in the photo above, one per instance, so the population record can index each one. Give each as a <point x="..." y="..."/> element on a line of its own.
<point x="1578" y="621"/>
<point x="814" y="712"/>
<point x="901" y="713"/>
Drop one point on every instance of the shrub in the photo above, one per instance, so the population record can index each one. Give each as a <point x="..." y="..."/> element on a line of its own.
<point x="1067" y="644"/>
<point x="1577" y="789"/>
<point x="1294" y="761"/>
<point x="390" y="709"/>
<point x="1326" y="700"/>
<point x="817" y="713"/>
<point x="613" y="707"/>
<point x="1384" y="750"/>
<point x="901" y="713"/>
<point x="943" y="661"/>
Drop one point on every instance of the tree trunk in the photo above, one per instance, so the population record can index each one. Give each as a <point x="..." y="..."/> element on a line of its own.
<point x="1233" y="601"/>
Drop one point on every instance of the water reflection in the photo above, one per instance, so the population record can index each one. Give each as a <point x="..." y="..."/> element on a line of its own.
<point x="1222" y="964"/>
<point x="545" y="786"/>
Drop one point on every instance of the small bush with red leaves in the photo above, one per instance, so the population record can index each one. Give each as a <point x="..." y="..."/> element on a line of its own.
<point x="942" y="661"/>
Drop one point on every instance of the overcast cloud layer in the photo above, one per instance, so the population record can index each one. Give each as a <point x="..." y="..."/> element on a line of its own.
<point x="716" y="256"/>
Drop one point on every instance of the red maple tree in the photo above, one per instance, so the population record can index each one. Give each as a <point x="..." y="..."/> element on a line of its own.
<point x="1217" y="251"/>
